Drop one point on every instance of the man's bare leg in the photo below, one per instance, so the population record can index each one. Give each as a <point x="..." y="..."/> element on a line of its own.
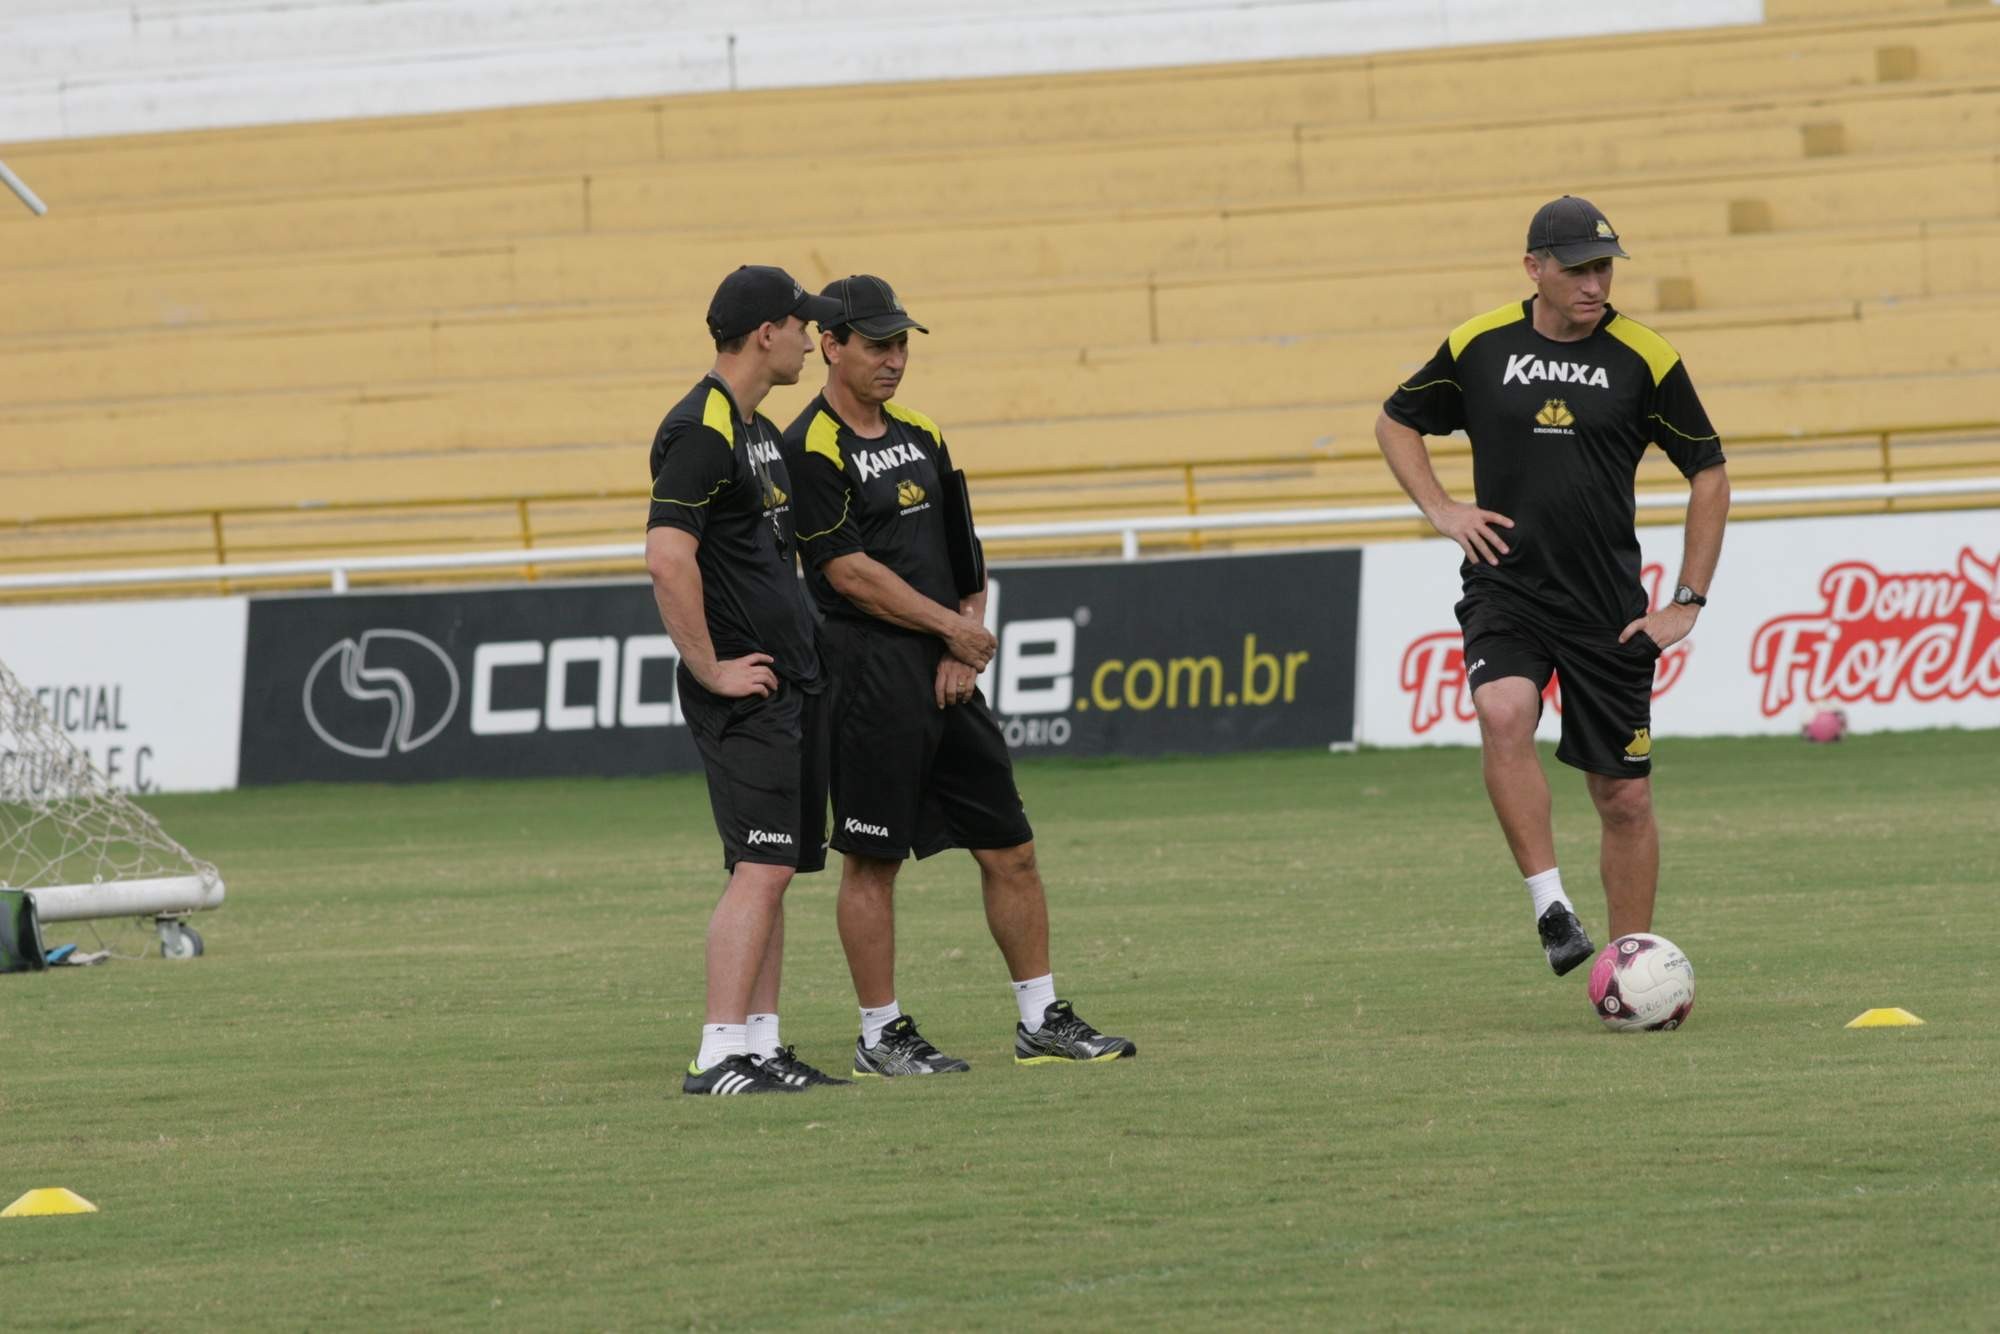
<point x="1509" y="710"/>
<point x="1017" y="908"/>
<point x="743" y="930"/>
<point x="866" y="915"/>
<point x="1629" y="857"/>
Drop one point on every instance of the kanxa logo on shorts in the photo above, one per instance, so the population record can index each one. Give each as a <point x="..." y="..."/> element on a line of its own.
<point x="854" y="826"/>
<point x="390" y="690"/>
<point x="766" y="836"/>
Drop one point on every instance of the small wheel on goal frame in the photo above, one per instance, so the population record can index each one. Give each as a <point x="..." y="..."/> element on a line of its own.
<point x="178" y="940"/>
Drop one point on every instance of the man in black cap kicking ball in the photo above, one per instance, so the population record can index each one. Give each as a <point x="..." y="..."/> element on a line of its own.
<point x="1560" y="395"/>
<point x="719" y="545"/>
<point x="917" y="761"/>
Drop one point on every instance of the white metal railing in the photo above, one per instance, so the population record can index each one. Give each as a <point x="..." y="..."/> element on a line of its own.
<point x="338" y="570"/>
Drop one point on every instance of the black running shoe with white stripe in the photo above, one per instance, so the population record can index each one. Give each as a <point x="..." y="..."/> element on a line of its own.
<point x="734" y="1074"/>
<point x="1564" y="940"/>
<point x="901" y="1050"/>
<point x="1064" y="1036"/>
<point x="786" y="1065"/>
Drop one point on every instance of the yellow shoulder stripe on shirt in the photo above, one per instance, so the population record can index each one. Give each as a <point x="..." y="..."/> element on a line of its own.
<point x="1479" y="324"/>
<point x="914" y="418"/>
<point x="823" y="437"/>
<point x="718" y="417"/>
<point x="1658" y="352"/>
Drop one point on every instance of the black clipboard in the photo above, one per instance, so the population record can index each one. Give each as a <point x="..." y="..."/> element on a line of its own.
<point x="968" y="558"/>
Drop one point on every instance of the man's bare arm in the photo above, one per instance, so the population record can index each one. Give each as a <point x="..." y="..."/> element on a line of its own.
<point x="1467" y="525"/>
<point x="886" y="595"/>
<point x="1701" y="549"/>
<point x="670" y="559"/>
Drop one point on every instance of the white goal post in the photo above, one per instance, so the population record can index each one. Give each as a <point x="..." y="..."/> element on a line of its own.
<point x="80" y="847"/>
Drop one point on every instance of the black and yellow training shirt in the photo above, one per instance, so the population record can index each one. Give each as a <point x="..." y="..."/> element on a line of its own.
<point x="724" y="480"/>
<point x="878" y="496"/>
<point x="1557" y="432"/>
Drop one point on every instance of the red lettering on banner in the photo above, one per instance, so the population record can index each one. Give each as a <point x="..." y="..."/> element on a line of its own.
<point x="1879" y="636"/>
<point x="1433" y="670"/>
<point x="1434" y="674"/>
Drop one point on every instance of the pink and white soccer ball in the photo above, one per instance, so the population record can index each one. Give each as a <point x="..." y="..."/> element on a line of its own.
<point x="1642" y="981"/>
<point x="1825" y="725"/>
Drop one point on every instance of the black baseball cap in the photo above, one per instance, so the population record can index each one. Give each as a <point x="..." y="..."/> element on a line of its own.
<point x="758" y="294"/>
<point x="869" y="307"/>
<point x="1574" y="231"/>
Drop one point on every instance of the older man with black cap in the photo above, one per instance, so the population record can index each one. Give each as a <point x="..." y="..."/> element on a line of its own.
<point x="917" y="761"/>
<point x="1561" y="395"/>
<point x="720" y="548"/>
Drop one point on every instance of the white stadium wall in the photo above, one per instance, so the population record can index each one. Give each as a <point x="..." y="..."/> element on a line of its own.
<point x="79" y="68"/>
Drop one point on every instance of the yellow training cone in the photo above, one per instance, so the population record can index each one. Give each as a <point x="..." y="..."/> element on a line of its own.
<point x="48" y="1200"/>
<point x="1893" y="1017"/>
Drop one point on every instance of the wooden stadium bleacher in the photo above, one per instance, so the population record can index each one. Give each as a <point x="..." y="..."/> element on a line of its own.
<point x="1151" y="291"/>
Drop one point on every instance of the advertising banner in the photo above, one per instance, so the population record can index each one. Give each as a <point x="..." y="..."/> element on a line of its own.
<point x="1181" y="655"/>
<point x="1894" y="619"/>
<point x="152" y="692"/>
<point x="1114" y="659"/>
<point x="575" y="679"/>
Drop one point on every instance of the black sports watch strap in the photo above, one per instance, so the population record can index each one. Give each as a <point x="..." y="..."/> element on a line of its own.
<point x="1685" y="596"/>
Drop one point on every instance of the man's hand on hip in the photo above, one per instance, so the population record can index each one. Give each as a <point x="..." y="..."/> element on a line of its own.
<point x="737" y="678"/>
<point x="1666" y="627"/>
<point x="1472" y="528"/>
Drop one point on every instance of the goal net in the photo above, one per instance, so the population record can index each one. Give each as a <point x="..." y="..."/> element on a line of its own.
<point x="80" y="846"/>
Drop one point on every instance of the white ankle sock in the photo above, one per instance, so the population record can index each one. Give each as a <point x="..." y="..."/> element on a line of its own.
<point x="1547" y="888"/>
<point x="719" y="1042"/>
<point x="875" y="1020"/>
<point x="1033" y="997"/>
<point x="761" y="1034"/>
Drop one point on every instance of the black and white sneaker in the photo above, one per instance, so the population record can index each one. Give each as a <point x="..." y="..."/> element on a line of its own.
<point x="1563" y="938"/>
<point x="734" y="1074"/>
<point x="787" y="1066"/>
<point x="1064" y="1036"/>
<point x="901" y="1050"/>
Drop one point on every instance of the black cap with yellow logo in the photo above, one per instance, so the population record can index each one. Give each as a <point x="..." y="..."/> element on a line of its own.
<point x="1574" y="231"/>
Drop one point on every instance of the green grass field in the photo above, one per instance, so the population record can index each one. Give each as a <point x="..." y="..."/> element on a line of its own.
<point x="425" y="1076"/>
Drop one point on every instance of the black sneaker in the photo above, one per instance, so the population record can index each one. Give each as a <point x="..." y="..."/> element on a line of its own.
<point x="1064" y="1036"/>
<point x="1563" y="939"/>
<point x="734" y="1074"/>
<point x="901" y="1050"/>
<point x="787" y="1066"/>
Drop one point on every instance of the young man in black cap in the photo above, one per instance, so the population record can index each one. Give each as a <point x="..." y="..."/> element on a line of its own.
<point x="917" y="761"/>
<point x="720" y="548"/>
<point x="1561" y="395"/>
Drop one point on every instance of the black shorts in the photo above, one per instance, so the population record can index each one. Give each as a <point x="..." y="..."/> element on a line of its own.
<point x="766" y="765"/>
<point x="907" y="775"/>
<point x="1607" y="687"/>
